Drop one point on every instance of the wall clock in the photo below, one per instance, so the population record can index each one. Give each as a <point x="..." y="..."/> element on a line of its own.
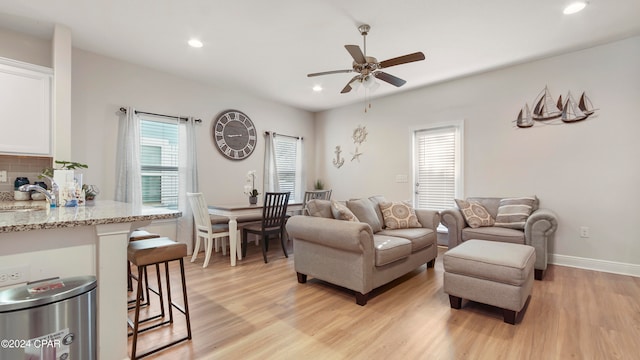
<point x="234" y="135"/>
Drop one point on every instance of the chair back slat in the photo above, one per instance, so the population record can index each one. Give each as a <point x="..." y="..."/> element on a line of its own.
<point x="200" y="211"/>
<point x="275" y="209"/>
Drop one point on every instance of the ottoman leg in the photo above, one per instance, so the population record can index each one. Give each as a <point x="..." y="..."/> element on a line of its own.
<point x="456" y="302"/>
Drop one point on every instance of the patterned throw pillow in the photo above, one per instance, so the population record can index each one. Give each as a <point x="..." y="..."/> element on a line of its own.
<point x="399" y="215"/>
<point x="474" y="213"/>
<point x="513" y="212"/>
<point x="342" y="212"/>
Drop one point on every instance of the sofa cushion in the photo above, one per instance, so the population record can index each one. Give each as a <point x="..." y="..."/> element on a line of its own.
<point x="513" y="212"/>
<point x="420" y="237"/>
<point x="474" y="213"/>
<point x="341" y="212"/>
<point x="494" y="233"/>
<point x="320" y="208"/>
<point x="365" y="212"/>
<point x="390" y="249"/>
<point x="376" y="200"/>
<point x="399" y="215"/>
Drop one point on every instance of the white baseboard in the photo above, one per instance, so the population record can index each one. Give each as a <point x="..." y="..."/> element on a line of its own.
<point x="595" y="264"/>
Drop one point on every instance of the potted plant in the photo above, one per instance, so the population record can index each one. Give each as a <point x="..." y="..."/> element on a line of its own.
<point x="250" y="187"/>
<point x="65" y="165"/>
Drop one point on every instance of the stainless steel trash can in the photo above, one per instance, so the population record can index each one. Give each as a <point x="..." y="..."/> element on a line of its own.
<point x="53" y="319"/>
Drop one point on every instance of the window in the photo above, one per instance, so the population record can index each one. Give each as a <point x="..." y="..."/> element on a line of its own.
<point x="159" y="163"/>
<point x="438" y="166"/>
<point x="288" y="165"/>
<point x="283" y="165"/>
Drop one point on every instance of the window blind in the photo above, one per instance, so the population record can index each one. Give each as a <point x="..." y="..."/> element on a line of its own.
<point x="286" y="160"/>
<point x="159" y="163"/>
<point x="435" y="168"/>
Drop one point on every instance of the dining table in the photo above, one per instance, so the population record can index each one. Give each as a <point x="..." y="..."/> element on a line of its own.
<point x="233" y="212"/>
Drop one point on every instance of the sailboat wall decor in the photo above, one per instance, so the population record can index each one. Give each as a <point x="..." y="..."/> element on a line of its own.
<point x="548" y="111"/>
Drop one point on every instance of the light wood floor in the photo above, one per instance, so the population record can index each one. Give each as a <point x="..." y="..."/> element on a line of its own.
<point x="259" y="311"/>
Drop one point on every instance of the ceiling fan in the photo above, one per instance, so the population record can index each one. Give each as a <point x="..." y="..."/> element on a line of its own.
<point x="368" y="67"/>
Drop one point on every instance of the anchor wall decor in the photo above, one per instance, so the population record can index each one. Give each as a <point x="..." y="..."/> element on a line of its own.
<point x="338" y="162"/>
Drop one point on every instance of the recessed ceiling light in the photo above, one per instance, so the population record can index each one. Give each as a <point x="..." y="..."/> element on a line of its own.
<point x="574" y="7"/>
<point x="195" y="43"/>
<point x="317" y="88"/>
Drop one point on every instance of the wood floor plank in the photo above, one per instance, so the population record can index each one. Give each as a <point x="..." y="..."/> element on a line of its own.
<point x="260" y="311"/>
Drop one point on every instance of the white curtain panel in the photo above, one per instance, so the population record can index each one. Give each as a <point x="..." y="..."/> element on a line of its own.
<point x="270" y="176"/>
<point x="300" y="172"/>
<point x="188" y="173"/>
<point x="128" y="176"/>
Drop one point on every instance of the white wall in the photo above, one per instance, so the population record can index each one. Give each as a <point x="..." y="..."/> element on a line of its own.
<point x="102" y="85"/>
<point x="25" y="48"/>
<point x="587" y="172"/>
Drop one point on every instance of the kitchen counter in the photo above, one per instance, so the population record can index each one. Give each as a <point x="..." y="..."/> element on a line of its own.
<point x="79" y="241"/>
<point x="36" y="215"/>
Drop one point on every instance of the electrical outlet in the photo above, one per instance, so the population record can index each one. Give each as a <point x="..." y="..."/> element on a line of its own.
<point x="3" y="176"/>
<point x="584" y="232"/>
<point x="14" y="275"/>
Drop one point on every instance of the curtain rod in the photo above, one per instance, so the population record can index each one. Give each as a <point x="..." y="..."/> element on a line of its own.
<point x="124" y="110"/>
<point x="290" y="136"/>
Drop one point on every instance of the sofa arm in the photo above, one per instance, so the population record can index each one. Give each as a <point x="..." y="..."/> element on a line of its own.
<point x="428" y="218"/>
<point x="338" y="234"/>
<point x="453" y="220"/>
<point x="539" y="228"/>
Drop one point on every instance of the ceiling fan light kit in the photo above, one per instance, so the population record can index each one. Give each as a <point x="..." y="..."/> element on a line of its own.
<point x="368" y="67"/>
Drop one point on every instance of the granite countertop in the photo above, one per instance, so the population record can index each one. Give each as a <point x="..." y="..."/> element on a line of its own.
<point x="36" y="215"/>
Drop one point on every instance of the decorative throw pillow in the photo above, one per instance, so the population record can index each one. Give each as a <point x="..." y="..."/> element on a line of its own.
<point x="319" y="208"/>
<point x="513" y="212"/>
<point x="399" y="215"/>
<point x="342" y="212"/>
<point x="365" y="212"/>
<point x="474" y="213"/>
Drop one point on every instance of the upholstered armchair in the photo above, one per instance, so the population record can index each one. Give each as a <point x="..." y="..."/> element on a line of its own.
<point x="537" y="230"/>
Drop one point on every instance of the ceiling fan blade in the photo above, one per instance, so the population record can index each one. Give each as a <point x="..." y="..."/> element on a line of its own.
<point x="402" y="60"/>
<point x="330" y="72"/>
<point x="395" y="81"/>
<point x="348" y="87"/>
<point x="356" y="53"/>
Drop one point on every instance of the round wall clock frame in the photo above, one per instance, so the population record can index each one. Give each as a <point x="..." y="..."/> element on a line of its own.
<point x="234" y="135"/>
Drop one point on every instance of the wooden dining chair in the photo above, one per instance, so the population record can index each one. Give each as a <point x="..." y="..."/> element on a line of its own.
<point x="205" y="228"/>
<point x="314" y="194"/>
<point x="274" y="212"/>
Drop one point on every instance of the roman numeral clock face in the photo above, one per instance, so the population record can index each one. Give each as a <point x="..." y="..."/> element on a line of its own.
<point x="234" y="135"/>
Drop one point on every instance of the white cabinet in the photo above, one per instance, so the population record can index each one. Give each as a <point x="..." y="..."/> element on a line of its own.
<point x="25" y="109"/>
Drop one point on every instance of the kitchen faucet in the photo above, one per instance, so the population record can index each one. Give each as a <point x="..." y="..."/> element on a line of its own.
<point x="52" y="198"/>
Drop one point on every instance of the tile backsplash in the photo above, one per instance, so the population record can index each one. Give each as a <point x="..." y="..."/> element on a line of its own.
<point x="28" y="166"/>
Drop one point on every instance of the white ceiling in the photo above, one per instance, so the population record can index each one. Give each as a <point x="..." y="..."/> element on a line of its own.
<point x="268" y="47"/>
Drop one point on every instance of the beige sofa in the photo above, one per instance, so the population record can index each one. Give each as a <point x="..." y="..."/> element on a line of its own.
<point x="539" y="229"/>
<point x="363" y="255"/>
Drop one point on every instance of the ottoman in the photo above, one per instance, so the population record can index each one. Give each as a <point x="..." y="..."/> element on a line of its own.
<point x="489" y="272"/>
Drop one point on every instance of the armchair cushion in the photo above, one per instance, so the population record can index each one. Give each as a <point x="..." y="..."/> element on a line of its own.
<point x="513" y="212"/>
<point x="341" y="212"/>
<point x="474" y="213"/>
<point x="399" y="215"/>
<point x="364" y="210"/>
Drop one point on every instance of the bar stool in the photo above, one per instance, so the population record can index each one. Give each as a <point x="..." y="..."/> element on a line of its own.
<point x="156" y="251"/>
<point x="138" y="234"/>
